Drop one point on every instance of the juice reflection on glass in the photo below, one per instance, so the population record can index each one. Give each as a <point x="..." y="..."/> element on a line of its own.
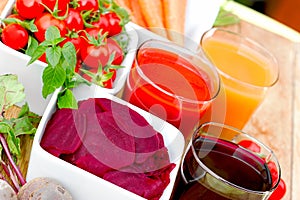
<point x="247" y="70"/>
<point x="216" y="166"/>
<point x="172" y="83"/>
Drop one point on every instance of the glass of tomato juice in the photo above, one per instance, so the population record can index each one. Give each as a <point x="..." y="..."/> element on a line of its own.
<point x="222" y="162"/>
<point x="172" y="83"/>
<point x="247" y="71"/>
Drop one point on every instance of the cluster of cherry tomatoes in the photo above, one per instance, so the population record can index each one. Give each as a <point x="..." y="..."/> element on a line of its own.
<point x="89" y="24"/>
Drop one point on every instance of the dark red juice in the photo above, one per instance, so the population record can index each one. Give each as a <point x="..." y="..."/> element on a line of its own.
<point x="228" y="161"/>
<point x="168" y="76"/>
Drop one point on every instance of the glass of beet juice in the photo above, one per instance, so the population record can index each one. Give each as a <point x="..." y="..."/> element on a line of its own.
<point x="218" y="164"/>
<point x="172" y="83"/>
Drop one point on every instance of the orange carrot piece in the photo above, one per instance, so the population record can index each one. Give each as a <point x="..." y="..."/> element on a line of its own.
<point x="136" y="11"/>
<point x="152" y="12"/>
<point x="174" y="14"/>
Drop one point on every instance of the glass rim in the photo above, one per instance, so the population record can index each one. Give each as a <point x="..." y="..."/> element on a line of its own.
<point x="250" y="41"/>
<point x="215" y="175"/>
<point x="205" y="60"/>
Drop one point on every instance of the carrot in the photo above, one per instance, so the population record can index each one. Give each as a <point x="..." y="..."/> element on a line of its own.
<point x="174" y="14"/>
<point x="152" y="12"/>
<point x="136" y="11"/>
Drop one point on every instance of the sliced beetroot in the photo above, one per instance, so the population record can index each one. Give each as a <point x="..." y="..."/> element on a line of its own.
<point x="137" y="183"/>
<point x="92" y="165"/>
<point x="61" y="135"/>
<point x="89" y="106"/>
<point x="113" y="142"/>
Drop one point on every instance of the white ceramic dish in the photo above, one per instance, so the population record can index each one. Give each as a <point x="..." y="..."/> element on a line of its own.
<point x="84" y="185"/>
<point x="15" y="62"/>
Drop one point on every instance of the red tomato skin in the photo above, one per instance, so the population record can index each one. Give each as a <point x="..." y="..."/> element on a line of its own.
<point x="15" y="16"/>
<point x="62" y="4"/>
<point x="279" y="192"/>
<point x="74" y="21"/>
<point x="43" y="58"/>
<point x="248" y="144"/>
<point x="113" y="46"/>
<point x="29" y="9"/>
<point x="101" y="25"/>
<point x="85" y="5"/>
<point x="93" y="56"/>
<point x="15" y="36"/>
<point x="44" y="22"/>
<point x="114" y="26"/>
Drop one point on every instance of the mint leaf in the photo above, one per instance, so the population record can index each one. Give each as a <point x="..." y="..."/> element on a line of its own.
<point x="31" y="46"/>
<point x="53" y="78"/>
<point x="53" y="55"/>
<point x="66" y="99"/>
<point x="39" y="51"/>
<point x="11" y="91"/>
<point x="69" y="53"/>
<point x="52" y="33"/>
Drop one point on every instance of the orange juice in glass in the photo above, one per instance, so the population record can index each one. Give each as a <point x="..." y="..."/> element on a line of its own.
<point x="246" y="68"/>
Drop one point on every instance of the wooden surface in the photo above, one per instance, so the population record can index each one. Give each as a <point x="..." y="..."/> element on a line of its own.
<point x="274" y="123"/>
<point x="277" y="121"/>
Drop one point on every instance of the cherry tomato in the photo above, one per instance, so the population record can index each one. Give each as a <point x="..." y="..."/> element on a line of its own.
<point x="62" y="4"/>
<point x="279" y="192"/>
<point x="87" y="5"/>
<point x="114" y="47"/>
<point x="102" y="24"/>
<point x="108" y="84"/>
<point x="74" y="21"/>
<point x="14" y="36"/>
<point x="248" y="144"/>
<point x="29" y="9"/>
<point x="273" y="170"/>
<point x="45" y="21"/>
<point x="43" y="58"/>
<point x="15" y="16"/>
<point x="93" y="55"/>
<point x="114" y="26"/>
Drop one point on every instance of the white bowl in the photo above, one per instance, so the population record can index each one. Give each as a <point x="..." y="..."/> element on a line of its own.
<point x="84" y="185"/>
<point x="14" y="62"/>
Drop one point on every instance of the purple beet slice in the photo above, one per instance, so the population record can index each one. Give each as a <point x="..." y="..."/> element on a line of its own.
<point x="92" y="165"/>
<point x="138" y="183"/>
<point x="61" y="135"/>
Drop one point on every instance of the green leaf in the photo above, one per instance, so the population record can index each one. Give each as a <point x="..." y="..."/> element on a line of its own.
<point x="66" y="99"/>
<point x="53" y="78"/>
<point x="23" y="126"/>
<point x="39" y="51"/>
<point x="52" y="33"/>
<point x="11" y="91"/>
<point x="31" y="46"/>
<point x="4" y="127"/>
<point x="69" y="53"/>
<point x="31" y="26"/>
<point x="24" y="110"/>
<point x="53" y="55"/>
<point x="13" y="144"/>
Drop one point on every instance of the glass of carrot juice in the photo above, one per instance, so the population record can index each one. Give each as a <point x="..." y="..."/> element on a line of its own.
<point x="246" y="68"/>
<point x="172" y="83"/>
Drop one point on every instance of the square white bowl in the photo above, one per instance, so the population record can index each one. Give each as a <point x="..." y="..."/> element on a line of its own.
<point x="84" y="185"/>
<point x="15" y="62"/>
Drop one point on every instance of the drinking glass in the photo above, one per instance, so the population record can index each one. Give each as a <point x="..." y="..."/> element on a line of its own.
<point x="217" y="165"/>
<point x="247" y="71"/>
<point x="172" y="83"/>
